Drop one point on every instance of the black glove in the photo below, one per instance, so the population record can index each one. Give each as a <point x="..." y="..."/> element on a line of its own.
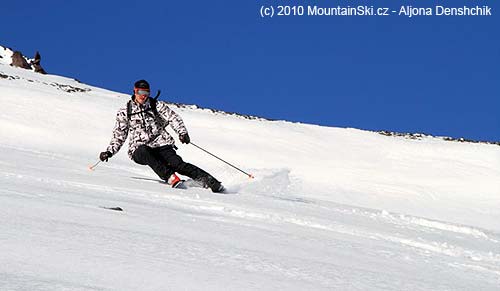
<point x="184" y="138"/>
<point x="104" y="156"/>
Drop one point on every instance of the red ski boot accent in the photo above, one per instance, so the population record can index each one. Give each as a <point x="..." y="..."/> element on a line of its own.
<point x="174" y="180"/>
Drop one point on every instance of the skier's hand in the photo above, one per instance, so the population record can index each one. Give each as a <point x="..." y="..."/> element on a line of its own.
<point x="184" y="138"/>
<point x="104" y="156"/>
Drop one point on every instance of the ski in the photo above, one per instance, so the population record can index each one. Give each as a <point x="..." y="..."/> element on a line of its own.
<point x="183" y="184"/>
<point x="116" y="208"/>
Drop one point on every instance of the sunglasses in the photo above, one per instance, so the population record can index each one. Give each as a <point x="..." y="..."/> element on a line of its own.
<point x="142" y="92"/>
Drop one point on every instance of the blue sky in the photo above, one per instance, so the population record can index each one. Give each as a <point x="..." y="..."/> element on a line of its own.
<point x="437" y="75"/>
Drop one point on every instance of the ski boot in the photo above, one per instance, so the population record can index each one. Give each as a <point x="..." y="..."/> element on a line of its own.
<point x="212" y="183"/>
<point x="174" y="181"/>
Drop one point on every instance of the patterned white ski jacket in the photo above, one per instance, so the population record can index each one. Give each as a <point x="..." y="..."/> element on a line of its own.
<point x="144" y="128"/>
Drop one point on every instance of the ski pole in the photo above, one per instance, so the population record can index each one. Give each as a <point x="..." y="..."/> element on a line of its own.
<point x="249" y="175"/>
<point x="94" y="165"/>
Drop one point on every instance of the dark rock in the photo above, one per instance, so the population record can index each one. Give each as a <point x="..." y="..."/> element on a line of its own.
<point x="19" y="61"/>
<point x="36" y="64"/>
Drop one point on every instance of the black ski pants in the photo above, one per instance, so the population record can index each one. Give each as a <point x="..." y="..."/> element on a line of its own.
<point x="164" y="161"/>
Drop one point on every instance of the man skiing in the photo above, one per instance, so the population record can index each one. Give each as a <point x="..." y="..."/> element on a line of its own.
<point x="144" y="119"/>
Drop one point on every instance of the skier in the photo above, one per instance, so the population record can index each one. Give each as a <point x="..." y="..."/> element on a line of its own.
<point x="145" y="120"/>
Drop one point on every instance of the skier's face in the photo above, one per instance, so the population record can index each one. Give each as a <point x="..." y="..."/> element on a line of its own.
<point x="141" y="95"/>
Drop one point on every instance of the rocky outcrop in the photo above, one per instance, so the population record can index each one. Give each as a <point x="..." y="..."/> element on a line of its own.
<point x="419" y="136"/>
<point x="63" y="87"/>
<point x="36" y="64"/>
<point x="18" y="60"/>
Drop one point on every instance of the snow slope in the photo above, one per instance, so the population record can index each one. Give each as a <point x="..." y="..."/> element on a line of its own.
<point x="5" y="55"/>
<point x="330" y="208"/>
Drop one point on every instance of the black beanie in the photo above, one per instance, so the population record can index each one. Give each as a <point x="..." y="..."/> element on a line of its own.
<point x="141" y="84"/>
